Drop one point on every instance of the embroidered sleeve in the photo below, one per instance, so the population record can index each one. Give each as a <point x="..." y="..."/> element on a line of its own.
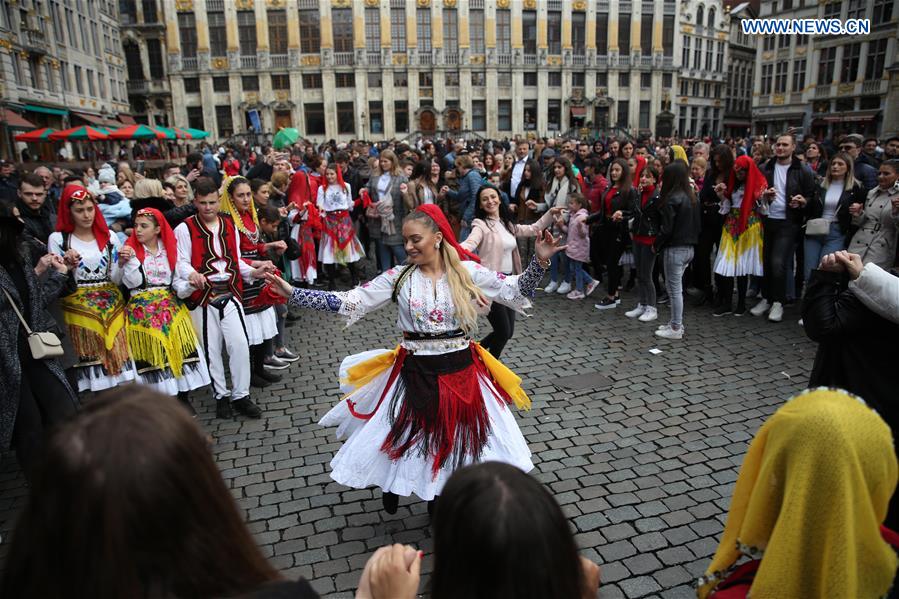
<point x="512" y="291"/>
<point x="530" y="278"/>
<point x="352" y="304"/>
<point x="323" y="301"/>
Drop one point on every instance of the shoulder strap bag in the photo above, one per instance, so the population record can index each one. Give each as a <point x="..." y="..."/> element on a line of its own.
<point x="43" y="345"/>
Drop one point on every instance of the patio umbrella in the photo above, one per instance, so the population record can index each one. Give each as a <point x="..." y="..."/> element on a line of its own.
<point x="42" y="134"/>
<point x="137" y="132"/>
<point x="173" y="133"/>
<point x="285" y="136"/>
<point x="82" y="133"/>
<point x="195" y="133"/>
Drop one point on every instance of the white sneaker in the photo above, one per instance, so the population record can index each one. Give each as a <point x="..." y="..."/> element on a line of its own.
<point x="669" y="333"/>
<point x="649" y="314"/>
<point x="575" y="295"/>
<point x="551" y="287"/>
<point x="802" y="324"/>
<point x="638" y="311"/>
<point x="662" y="327"/>
<point x="590" y="287"/>
<point x="777" y="312"/>
<point x="760" y="308"/>
<point x="564" y="288"/>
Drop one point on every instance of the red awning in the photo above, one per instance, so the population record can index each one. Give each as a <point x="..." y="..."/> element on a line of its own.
<point x="578" y="111"/>
<point x="14" y="120"/>
<point x="127" y="119"/>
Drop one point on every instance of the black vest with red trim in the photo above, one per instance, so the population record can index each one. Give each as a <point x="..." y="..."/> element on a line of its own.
<point x="203" y="255"/>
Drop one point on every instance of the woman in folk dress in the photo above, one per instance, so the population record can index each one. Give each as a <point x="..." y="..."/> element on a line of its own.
<point x="338" y="243"/>
<point x="438" y="401"/>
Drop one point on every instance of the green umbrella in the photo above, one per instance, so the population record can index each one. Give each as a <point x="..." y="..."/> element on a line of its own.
<point x="286" y="136"/>
<point x="196" y="133"/>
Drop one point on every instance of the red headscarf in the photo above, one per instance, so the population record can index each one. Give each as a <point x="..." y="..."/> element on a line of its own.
<point x="436" y="214"/>
<point x="166" y="237"/>
<point x="641" y="164"/>
<point x="753" y="187"/>
<point x="64" y="221"/>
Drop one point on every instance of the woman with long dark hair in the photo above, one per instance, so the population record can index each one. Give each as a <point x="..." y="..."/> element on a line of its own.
<point x="678" y="233"/>
<point x="563" y="184"/>
<point x="531" y="189"/>
<point x="719" y="173"/>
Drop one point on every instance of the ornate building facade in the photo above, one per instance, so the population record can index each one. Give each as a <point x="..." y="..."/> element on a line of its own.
<point x="143" y="44"/>
<point x="741" y="51"/>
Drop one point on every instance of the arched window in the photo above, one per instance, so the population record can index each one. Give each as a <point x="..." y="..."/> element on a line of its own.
<point x="712" y="18"/>
<point x="699" y="16"/>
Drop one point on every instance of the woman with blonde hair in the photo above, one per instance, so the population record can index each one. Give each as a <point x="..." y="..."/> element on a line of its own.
<point x="438" y="401"/>
<point x="184" y="194"/>
<point x="148" y="188"/>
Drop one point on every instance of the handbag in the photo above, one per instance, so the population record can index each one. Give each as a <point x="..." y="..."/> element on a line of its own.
<point x="43" y="345"/>
<point x="817" y="226"/>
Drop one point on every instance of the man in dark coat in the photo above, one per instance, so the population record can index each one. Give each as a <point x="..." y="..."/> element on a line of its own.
<point x="34" y="209"/>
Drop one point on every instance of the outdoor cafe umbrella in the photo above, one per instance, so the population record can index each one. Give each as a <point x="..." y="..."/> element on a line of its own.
<point x="285" y="136"/>
<point x="196" y="133"/>
<point x="42" y="134"/>
<point x="137" y="132"/>
<point x="82" y="133"/>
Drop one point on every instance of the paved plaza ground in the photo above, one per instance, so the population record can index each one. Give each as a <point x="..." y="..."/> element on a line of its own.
<point x="643" y="465"/>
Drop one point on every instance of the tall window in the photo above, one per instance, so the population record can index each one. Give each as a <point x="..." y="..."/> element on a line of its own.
<point x="529" y="31"/>
<point x="346" y="120"/>
<point x="883" y="11"/>
<point x="644" y="114"/>
<point x="624" y="108"/>
<point x="624" y="34"/>
<point x="709" y="54"/>
<point x="476" y="31"/>
<point x="64" y="76"/>
<point x="711" y="21"/>
<point x="877" y="51"/>
<point x="849" y="66"/>
<point x="530" y="115"/>
<point x="398" y="29"/>
<point x="401" y="116"/>
<point x="767" y="78"/>
<point x="187" y="31"/>
<point x="277" y="32"/>
<point x="579" y="33"/>
<point x="602" y="33"/>
<point x="697" y="55"/>
<point x="150" y="14"/>
<point x="780" y="77"/>
<point x="504" y="115"/>
<point x="373" y="30"/>
<point x="685" y="58"/>
<point x="450" y="31"/>
<point x="310" y="32"/>
<point x="315" y="118"/>
<point x="195" y="117"/>
<point x="154" y="53"/>
<point x="768" y="43"/>
<point x="504" y="32"/>
<point x="798" y="75"/>
<point x="646" y="36"/>
<point x="376" y="116"/>
<point x="719" y="56"/>
<point x="479" y="115"/>
<point x="554" y="115"/>
<point x="554" y="31"/>
<point x="128" y="11"/>
<point x="668" y="35"/>
<point x="423" y="28"/>
<point x="700" y="16"/>
<point x="342" y="27"/>
<point x="133" y="62"/>
<point x="218" y="38"/>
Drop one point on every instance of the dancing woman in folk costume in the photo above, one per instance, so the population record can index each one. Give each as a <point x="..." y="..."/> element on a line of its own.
<point x="260" y="319"/>
<point x="338" y="242"/>
<point x="95" y="314"/>
<point x="160" y="332"/>
<point x="740" y="248"/>
<point x="437" y="401"/>
<point x="306" y="227"/>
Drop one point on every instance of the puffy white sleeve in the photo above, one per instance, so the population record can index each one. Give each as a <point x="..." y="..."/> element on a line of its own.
<point x="513" y="291"/>
<point x="132" y="278"/>
<point x="183" y="269"/>
<point x="115" y="270"/>
<point x="878" y="290"/>
<point x="54" y="244"/>
<point x="352" y="304"/>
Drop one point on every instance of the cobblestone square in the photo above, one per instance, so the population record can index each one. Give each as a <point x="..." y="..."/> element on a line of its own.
<point x="644" y="469"/>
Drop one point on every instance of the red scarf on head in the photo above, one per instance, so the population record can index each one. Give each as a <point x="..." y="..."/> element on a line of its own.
<point x="64" y="221"/>
<point x="166" y="238"/>
<point x="436" y="214"/>
<point x="753" y="187"/>
<point x="340" y="177"/>
<point x="641" y="164"/>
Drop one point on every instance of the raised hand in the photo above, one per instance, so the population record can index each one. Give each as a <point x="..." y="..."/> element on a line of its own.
<point x="851" y="262"/>
<point x="547" y="246"/>
<point x="279" y="285"/>
<point x="126" y="253"/>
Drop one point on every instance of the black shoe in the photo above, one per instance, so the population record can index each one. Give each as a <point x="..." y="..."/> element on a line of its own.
<point x="390" y="501"/>
<point x="722" y="310"/>
<point x="223" y="409"/>
<point x="185" y="401"/>
<point x="663" y="299"/>
<point x="630" y="284"/>
<point x="741" y="310"/>
<point x="258" y="381"/>
<point x="269" y="376"/>
<point x="245" y="406"/>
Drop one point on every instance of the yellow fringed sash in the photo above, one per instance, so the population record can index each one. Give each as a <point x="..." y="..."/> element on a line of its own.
<point x="163" y="338"/>
<point x="95" y="317"/>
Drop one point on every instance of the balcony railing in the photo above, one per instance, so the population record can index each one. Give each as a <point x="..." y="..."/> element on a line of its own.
<point x="450" y="57"/>
<point x="645" y="61"/>
<point x="578" y="60"/>
<point x="624" y="61"/>
<point x="822" y="91"/>
<point x="424" y="57"/>
<point x="189" y="63"/>
<point x="602" y="60"/>
<point x="530" y="60"/>
<point x="279" y="61"/>
<point x="215" y="5"/>
<point x="872" y="86"/>
<point x="248" y="62"/>
<point x="504" y="59"/>
<point x="373" y="58"/>
<point x="668" y="61"/>
<point x="138" y="86"/>
<point x="343" y="59"/>
<point x="34" y="38"/>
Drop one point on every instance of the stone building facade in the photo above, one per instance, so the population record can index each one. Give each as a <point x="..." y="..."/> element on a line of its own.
<point x="741" y="51"/>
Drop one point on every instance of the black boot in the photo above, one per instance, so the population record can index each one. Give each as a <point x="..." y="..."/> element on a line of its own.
<point x="245" y="406"/>
<point x="257" y="367"/>
<point x="390" y="501"/>
<point x="184" y="398"/>
<point x="223" y="408"/>
<point x="632" y="280"/>
<point x="330" y="273"/>
<point x="354" y="274"/>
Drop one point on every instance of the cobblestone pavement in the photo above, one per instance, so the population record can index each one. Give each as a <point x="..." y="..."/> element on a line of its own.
<point x="643" y="469"/>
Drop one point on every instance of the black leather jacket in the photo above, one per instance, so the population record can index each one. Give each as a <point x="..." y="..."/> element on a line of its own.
<point x="680" y="221"/>
<point x="800" y="181"/>
<point x="647" y="220"/>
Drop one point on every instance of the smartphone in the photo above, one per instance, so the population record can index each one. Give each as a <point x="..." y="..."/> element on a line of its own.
<point x="140" y="167"/>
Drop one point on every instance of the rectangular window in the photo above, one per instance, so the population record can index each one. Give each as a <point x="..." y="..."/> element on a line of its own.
<point x="218" y="37"/>
<point x="668" y="35"/>
<point x="530" y="79"/>
<point x="577" y="79"/>
<point x="315" y="118"/>
<point x="685" y="57"/>
<point x="529" y="31"/>
<point x="374" y="79"/>
<point x="666" y="80"/>
<point x="376" y="116"/>
<point x="479" y="115"/>
<point x="530" y="115"/>
<point x="346" y="120"/>
<point x="372" y="30"/>
<point x="719" y="55"/>
<point x="623" y="110"/>
<point x="554" y="31"/>
<point x="79" y="82"/>
<point x="624" y="34"/>
<point x="504" y="32"/>
<point x="154" y="53"/>
<point x="768" y="43"/>
<point x="624" y="79"/>
<point x="150" y="11"/>
<point x="224" y="121"/>
<point x="798" y="75"/>
<point x="849" y="66"/>
<point x="504" y="79"/>
<point x="425" y="79"/>
<point x="826" y="65"/>
<point x="476" y="31"/>
<point x="554" y="115"/>
<point x="602" y="33"/>
<point x="48" y="79"/>
<point x="697" y="55"/>
<point x="646" y="35"/>
<point x="684" y="87"/>
<point x="478" y="78"/>
<point x="450" y="31"/>
<point x="398" y="29"/>
<point x="63" y="75"/>
<point x="342" y="28"/>
<point x="579" y="33"/>
<point x="221" y="84"/>
<point x="345" y="79"/>
<point x="246" y="32"/>
<point x="856" y="9"/>
<point x="187" y="31"/>
<point x="783" y="41"/>
<point x="423" y="28"/>
<point x="312" y="81"/>
<point x="401" y="115"/>
<point x="709" y="54"/>
<point x="195" y="117"/>
<point x="191" y="85"/>
<point x="767" y="78"/>
<point x="277" y="32"/>
<point x="877" y="51"/>
<point x="602" y="79"/>
<point x="504" y="115"/>
<point x="644" y="114"/>
<point x="555" y="79"/>
<point x="645" y="80"/>
<point x="250" y="83"/>
<point x="883" y="11"/>
<point x="451" y="78"/>
<point x="400" y="79"/>
<point x="310" y="33"/>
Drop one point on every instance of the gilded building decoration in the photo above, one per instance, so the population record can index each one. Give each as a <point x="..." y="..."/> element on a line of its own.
<point x="400" y="59"/>
<point x="449" y="3"/>
<point x="579" y="5"/>
<point x="341" y="3"/>
<point x="184" y="5"/>
<point x="423" y="3"/>
<point x="5" y="44"/>
<point x="219" y="63"/>
<point x="311" y="60"/>
<point x="275" y="3"/>
<point x="477" y="59"/>
<point x="530" y="4"/>
<point x="502" y="3"/>
<point x="244" y="4"/>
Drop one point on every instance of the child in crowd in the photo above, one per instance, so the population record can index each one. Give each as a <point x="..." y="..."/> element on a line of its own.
<point x="578" y="250"/>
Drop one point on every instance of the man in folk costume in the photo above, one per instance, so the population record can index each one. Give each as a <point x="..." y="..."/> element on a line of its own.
<point x="209" y="260"/>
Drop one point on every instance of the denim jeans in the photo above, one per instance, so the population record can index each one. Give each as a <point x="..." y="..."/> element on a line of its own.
<point x="579" y="274"/>
<point x="676" y="260"/>
<point x="818" y="246"/>
<point x="780" y="241"/>
<point x="644" y="260"/>
<point x="385" y="252"/>
<point x="557" y="265"/>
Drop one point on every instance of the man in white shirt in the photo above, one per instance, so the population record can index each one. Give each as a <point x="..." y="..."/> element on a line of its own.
<point x="521" y="158"/>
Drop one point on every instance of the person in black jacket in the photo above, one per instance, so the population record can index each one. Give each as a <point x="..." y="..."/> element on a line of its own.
<point x="678" y="233"/>
<point x="790" y="186"/>
<point x="839" y="190"/>
<point x="721" y="164"/>
<point x="34" y="208"/>
<point x="614" y="211"/>
<point x="645" y="225"/>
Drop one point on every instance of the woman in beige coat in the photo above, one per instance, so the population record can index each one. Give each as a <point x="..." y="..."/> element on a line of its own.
<point x="878" y="219"/>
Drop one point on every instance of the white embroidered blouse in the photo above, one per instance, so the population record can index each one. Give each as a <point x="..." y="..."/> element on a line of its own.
<point x="95" y="266"/>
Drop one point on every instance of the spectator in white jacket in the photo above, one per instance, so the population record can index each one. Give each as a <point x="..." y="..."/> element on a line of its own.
<point x="878" y="289"/>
